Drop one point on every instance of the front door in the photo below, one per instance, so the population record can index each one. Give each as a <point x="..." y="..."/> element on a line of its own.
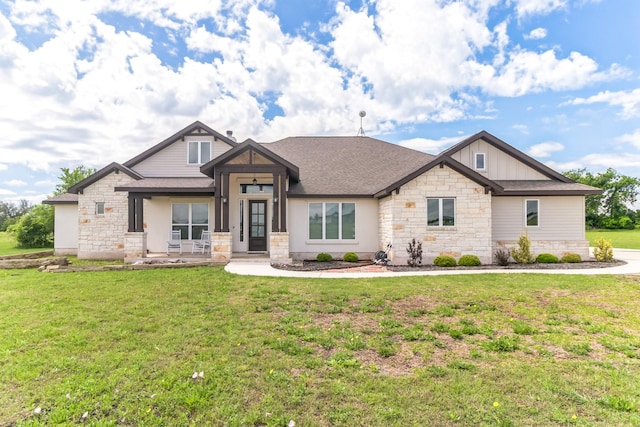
<point x="257" y="225"/>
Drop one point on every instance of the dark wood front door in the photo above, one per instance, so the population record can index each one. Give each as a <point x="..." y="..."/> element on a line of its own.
<point x="257" y="225"/>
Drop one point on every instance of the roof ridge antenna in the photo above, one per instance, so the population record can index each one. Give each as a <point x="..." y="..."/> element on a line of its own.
<point x="361" y="130"/>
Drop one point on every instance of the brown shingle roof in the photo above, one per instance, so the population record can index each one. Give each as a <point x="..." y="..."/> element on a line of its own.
<point x="347" y="165"/>
<point x="62" y="199"/>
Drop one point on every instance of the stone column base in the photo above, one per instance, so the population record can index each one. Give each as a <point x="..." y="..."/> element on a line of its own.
<point x="221" y="243"/>
<point x="135" y="245"/>
<point x="279" y="248"/>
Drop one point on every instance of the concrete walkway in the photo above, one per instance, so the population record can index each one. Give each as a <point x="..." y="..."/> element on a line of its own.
<point x="262" y="267"/>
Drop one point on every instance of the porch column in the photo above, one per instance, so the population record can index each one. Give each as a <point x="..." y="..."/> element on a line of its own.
<point x="282" y="200"/>
<point x="135" y="215"/>
<point x="217" y="227"/>
<point x="225" y="204"/>
<point x="275" y="227"/>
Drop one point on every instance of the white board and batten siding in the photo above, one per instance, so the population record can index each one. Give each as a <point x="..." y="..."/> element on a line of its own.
<point x="172" y="161"/>
<point x="498" y="164"/>
<point x="560" y="218"/>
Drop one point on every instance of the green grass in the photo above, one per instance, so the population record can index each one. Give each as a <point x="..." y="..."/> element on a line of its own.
<point x="120" y="348"/>
<point x="8" y="246"/>
<point x="624" y="239"/>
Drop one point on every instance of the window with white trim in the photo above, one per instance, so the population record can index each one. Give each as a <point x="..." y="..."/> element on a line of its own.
<point x="99" y="208"/>
<point x="332" y="221"/>
<point x="199" y="152"/>
<point x="190" y="218"/>
<point x="480" y="161"/>
<point x="532" y="212"/>
<point x="441" y="212"/>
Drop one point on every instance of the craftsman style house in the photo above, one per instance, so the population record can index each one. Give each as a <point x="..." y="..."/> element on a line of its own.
<point x="297" y="197"/>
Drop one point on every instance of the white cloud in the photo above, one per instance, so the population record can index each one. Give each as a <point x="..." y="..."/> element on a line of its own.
<point x="536" y="34"/>
<point x="4" y="192"/>
<point x="629" y="101"/>
<point x="545" y="149"/>
<point x="631" y="138"/>
<point x="600" y="161"/>
<point x="431" y="146"/>
<point x="538" y="7"/>
<point x="16" y="183"/>
<point x="45" y="183"/>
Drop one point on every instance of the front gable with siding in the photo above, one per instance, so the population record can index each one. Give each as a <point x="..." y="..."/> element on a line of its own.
<point x="296" y="197"/>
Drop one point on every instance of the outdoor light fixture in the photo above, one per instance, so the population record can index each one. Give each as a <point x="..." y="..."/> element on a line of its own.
<point x="225" y="200"/>
<point x="255" y="181"/>
<point x="275" y="199"/>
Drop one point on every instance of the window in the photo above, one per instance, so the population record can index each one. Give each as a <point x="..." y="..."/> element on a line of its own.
<point x="480" y="161"/>
<point x="190" y="218"/>
<point x="99" y="208"/>
<point x="332" y="221"/>
<point x="256" y="189"/>
<point x="199" y="152"/>
<point x="441" y="212"/>
<point x="532" y="213"/>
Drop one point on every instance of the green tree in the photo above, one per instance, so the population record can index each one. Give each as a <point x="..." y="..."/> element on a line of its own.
<point x="612" y="208"/>
<point x="70" y="177"/>
<point x="35" y="228"/>
<point x="10" y="212"/>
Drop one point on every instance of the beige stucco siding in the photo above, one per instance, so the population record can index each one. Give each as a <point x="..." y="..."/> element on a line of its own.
<point x="157" y="220"/>
<point x="172" y="161"/>
<point x="365" y="244"/>
<point x="499" y="165"/>
<point x="560" y="218"/>
<point x="561" y="228"/>
<point x="65" y="240"/>
<point x="403" y="217"/>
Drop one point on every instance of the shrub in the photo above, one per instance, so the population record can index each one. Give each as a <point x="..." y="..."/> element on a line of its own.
<point x="324" y="257"/>
<point x="444" y="261"/>
<point x="522" y="254"/>
<point x="602" y="250"/>
<point x="502" y="256"/>
<point x="469" y="261"/>
<point x="34" y="229"/>
<point x="547" y="259"/>
<point x="415" y="253"/>
<point x="350" y="257"/>
<point x="571" y="258"/>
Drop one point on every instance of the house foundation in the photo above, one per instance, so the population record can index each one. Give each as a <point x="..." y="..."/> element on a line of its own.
<point x="221" y="246"/>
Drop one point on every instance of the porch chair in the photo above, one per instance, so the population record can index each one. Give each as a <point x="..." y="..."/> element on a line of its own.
<point x="175" y="241"/>
<point x="204" y="244"/>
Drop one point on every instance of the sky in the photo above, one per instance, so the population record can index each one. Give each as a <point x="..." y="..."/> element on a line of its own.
<point x="96" y="81"/>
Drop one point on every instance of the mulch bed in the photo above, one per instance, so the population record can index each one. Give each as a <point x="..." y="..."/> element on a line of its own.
<point x="312" y="265"/>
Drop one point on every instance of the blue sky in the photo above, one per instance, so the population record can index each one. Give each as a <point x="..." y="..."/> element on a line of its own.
<point x="88" y="82"/>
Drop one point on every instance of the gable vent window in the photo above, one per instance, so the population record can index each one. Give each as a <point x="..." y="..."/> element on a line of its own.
<point x="99" y="208"/>
<point x="480" y="163"/>
<point x="199" y="152"/>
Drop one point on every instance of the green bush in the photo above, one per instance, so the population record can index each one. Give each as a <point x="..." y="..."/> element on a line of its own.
<point x="350" y="257"/>
<point x="469" y="261"/>
<point x="547" y="259"/>
<point x="602" y="250"/>
<point x="324" y="257"/>
<point x="522" y="254"/>
<point x="571" y="258"/>
<point x="444" y="261"/>
<point x="34" y="229"/>
<point x="501" y="257"/>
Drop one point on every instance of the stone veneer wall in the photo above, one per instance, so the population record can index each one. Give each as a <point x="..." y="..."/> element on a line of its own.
<point x="102" y="236"/>
<point x="279" y="248"/>
<point x="135" y="245"/>
<point x="403" y="216"/>
<point x="558" y="248"/>
<point x="221" y="246"/>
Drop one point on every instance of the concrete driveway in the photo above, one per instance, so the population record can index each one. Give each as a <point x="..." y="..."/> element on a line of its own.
<point x="262" y="267"/>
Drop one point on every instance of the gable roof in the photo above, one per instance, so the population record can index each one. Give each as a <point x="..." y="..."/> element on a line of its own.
<point x="442" y="161"/>
<point x="352" y="166"/>
<point x="62" y="199"/>
<point x="512" y="151"/>
<point x="110" y="168"/>
<point x="195" y="128"/>
<point x="249" y="144"/>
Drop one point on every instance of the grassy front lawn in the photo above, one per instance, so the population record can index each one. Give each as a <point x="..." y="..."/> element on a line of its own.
<point x="626" y="239"/>
<point x="8" y="246"/>
<point x="120" y="348"/>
